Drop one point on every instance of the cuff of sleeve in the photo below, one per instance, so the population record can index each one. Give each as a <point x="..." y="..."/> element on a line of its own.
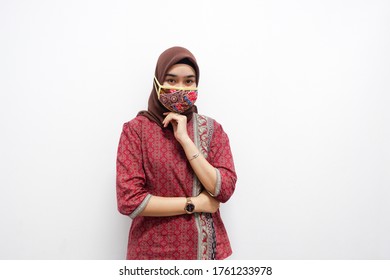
<point x="140" y="207"/>
<point x="217" y="189"/>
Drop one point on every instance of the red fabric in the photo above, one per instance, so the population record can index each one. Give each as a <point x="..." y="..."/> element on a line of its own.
<point x="151" y="161"/>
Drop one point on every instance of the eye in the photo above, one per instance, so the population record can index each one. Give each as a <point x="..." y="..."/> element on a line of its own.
<point x="170" y="81"/>
<point x="190" y="82"/>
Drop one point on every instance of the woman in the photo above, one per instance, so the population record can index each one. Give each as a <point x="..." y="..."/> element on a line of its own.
<point x="174" y="167"/>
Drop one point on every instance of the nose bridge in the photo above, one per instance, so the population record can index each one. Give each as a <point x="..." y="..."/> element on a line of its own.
<point x="181" y="83"/>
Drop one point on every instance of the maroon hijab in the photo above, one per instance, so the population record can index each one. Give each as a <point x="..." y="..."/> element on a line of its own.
<point x="166" y="60"/>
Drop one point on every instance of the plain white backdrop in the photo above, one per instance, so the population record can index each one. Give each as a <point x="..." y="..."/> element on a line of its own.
<point x="301" y="87"/>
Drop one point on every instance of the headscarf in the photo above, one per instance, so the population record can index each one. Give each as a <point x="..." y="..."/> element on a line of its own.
<point x="166" y="60"/>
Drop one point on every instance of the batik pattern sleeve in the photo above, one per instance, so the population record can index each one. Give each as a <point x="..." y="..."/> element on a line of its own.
<point x="220" y="156"/>
<point x="132" y="196"/>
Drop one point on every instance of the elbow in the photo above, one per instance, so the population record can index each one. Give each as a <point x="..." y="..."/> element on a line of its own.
<point x="223" y="197"/>
<point x="225" y="193"/>
<point x="123" y="209"/>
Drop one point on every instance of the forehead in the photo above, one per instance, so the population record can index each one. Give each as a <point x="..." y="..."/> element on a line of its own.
<point x="181" y="70"/>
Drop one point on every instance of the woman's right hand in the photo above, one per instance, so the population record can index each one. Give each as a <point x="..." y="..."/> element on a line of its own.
<point x="204" y="202"/>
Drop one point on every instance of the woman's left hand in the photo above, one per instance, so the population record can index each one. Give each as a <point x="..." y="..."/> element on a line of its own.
<point x="179" y="124"/>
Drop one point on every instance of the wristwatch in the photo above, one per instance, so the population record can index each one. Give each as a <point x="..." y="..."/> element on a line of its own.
<point x="190" y="207"/>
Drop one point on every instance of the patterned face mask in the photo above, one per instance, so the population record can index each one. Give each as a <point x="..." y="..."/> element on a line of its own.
<point x="176" y="99"/>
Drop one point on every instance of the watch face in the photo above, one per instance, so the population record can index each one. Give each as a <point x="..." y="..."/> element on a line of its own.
<point x="190" y="207"/>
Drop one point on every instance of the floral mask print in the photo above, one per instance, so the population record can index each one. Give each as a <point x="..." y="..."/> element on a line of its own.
<point x="176" y="99"/>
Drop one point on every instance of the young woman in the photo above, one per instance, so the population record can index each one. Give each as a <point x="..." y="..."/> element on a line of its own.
<point x="174" y="168"/>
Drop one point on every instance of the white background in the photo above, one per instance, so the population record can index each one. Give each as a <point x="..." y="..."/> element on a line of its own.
<point x="301" y="87"/>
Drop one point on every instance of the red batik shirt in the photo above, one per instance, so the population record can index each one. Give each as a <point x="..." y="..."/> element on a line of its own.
<point x="151" y="162"/>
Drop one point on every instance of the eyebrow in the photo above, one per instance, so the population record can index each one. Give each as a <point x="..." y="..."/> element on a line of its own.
<point x="174" y="76"/>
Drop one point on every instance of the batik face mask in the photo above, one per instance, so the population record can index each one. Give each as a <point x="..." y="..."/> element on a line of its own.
<point x="176" y="99"/>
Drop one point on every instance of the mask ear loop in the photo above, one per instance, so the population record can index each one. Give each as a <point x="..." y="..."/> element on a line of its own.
<point x="156" y="83"/>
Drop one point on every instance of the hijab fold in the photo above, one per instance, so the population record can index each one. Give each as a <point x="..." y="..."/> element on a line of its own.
<point x="165" y="61"/>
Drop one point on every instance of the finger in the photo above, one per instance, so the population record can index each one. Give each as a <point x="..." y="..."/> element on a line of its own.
<point x="168" y="116"/>
<point x="168" y="119"/>
<point x="168" y="113"/>
<point x="172" y="117"/>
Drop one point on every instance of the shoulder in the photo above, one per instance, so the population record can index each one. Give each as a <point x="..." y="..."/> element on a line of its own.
<point x="135" y="126"/>
<point x="136" y="123"/>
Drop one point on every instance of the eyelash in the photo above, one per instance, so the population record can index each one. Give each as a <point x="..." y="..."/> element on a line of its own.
<point x="172" y="81"/>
